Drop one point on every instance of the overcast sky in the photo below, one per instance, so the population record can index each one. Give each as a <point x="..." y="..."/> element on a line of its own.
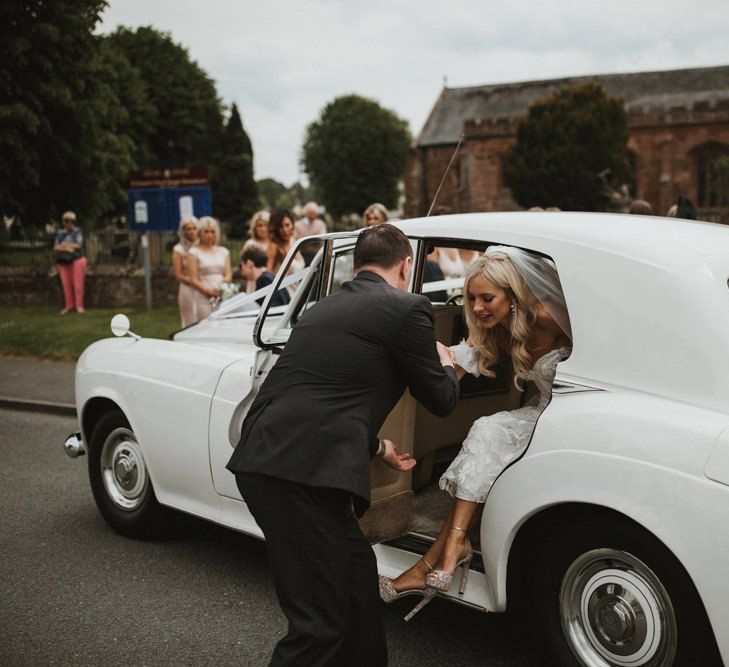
<point x="281" y="62"/>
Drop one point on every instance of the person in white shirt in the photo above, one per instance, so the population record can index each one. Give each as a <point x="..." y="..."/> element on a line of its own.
<point x="310" y="224"/>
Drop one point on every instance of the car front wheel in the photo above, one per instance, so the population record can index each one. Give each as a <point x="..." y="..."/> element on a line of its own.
<point x="606" y="592"/>
<point x="120" y="479"/>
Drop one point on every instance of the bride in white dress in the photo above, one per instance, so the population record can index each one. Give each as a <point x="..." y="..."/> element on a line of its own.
<point x="514" y="303"/>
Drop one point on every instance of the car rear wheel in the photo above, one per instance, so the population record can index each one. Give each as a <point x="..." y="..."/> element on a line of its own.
<point x="606" y="592"/>
<point x="120" y="479"/>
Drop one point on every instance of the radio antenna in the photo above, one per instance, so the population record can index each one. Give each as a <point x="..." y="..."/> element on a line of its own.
<point x="442" y="180"/>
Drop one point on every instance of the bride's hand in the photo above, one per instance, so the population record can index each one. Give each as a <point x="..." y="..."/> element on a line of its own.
<point x="399" y="462"/>
<point x="447" y="357"/>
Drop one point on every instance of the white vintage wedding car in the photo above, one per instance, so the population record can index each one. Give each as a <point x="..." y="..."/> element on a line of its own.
<point x="611" y="531"/>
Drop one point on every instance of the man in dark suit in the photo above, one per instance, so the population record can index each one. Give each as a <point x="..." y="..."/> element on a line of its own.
<point x="303" y="460"/>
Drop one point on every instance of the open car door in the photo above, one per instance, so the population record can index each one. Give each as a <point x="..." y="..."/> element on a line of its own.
<point x="240" y="382"/>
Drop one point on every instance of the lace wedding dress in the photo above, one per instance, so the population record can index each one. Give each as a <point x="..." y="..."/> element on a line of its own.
<point x="496" y="440"/>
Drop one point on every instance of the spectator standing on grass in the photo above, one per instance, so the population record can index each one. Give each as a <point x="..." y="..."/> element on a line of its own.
<point x="258" y="231"/>
<point x="374" y="214"/>
<point x="68" y="247"/>
<point x="209" y="266"/>
<point x="258" y="238"/>
<point x="280" y="231"/>
<point x="186" y="293"/>
<point x="310" y="224"/>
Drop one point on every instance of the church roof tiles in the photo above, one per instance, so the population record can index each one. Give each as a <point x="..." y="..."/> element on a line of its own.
<point x="640" y="90"/>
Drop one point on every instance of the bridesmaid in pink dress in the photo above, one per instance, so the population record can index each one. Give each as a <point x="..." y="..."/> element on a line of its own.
<point x="258" y="232"/>
<point x="209" y="265"/>
<point x="186" y="292"/>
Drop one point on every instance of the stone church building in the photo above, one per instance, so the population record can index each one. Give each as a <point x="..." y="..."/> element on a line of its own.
<point x="678" y="121"/>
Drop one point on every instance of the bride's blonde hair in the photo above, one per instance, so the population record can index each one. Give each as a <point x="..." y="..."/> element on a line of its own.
<point x="497" y="268"/>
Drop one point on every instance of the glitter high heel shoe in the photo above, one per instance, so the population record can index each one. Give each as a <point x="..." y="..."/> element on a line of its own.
<point x="388" y="593"/>
<point x="441" y="580"/>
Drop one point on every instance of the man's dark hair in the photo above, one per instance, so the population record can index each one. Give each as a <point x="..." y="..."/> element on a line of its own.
<point x="383" y="245"/>
<point x="686" y="209"/>
<point x="257" y="255"/>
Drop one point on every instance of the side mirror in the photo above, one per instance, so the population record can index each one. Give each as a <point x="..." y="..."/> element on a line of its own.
<point x="120" y="326"/>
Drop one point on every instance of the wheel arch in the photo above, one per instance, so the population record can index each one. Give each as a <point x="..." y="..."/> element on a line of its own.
<point x="538" y="527"/>
<point x="539" y="524"/>
<point x="93" y="410"/>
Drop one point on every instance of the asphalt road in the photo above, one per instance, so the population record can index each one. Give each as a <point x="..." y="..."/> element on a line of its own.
<point x="74" y="592"/>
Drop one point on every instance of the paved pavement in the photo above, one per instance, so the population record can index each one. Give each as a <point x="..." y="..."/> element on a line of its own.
<point x="74" y="592"/>
<point x="35" y="384"/>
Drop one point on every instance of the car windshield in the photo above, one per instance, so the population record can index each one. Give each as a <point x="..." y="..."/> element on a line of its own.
<point x="248" y="305"/>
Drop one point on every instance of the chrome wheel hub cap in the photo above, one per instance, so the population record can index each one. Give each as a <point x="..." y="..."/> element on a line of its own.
<point x="123" y="471"/>
<point x="615" y="611"/>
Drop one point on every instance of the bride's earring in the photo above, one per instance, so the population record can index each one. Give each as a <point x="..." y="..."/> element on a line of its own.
<point x="513" y="308"/>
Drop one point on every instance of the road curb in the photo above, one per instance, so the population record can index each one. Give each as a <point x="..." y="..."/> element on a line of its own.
<point x="32" y="405"/>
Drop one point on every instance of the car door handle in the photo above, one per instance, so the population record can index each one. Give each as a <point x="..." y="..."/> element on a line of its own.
<point x="563" y="387"/>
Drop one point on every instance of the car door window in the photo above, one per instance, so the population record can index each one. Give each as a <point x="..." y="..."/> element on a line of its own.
<point x="296" y="284"/>
<point x="444" y="271"/>
<point x="342" y="269"/>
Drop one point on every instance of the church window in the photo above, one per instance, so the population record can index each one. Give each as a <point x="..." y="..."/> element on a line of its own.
<point x="712" y="171"/>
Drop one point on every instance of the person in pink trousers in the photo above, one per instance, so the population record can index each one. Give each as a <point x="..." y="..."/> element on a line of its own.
<point x="68" y="246"/>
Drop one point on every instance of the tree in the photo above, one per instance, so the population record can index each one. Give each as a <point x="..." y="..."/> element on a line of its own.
<point x="188" y="122"/>
<point x="58" y="116"/>
<point x="355" y="154"/>
<point x="139" y="113"/>
<point x="563" y="145"/>
<point x="235" y="195"/>
<point x="271" y="190"/>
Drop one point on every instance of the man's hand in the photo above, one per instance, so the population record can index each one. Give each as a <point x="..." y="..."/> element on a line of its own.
<point x="447" y="358"/>
<point x="399" y="462"/>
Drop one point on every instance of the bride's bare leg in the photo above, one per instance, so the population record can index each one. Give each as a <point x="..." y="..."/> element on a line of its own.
<point x="415" y="576"/>
<point x="454" y="540"/>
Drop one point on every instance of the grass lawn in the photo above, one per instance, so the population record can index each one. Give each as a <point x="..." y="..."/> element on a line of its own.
<point x="42" y="332"/>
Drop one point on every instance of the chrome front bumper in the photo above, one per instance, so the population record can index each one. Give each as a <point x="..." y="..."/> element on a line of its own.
<point x="74" y="445"/>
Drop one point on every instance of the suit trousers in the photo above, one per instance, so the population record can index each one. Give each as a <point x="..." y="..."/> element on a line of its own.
<point x="324" y="573"/>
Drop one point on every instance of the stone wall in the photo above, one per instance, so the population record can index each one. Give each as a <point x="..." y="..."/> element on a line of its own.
<point x="106" y="287"/>
<point x="664" y="143"/>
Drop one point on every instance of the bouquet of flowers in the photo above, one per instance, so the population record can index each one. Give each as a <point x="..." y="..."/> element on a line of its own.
<point x="227" y="290"/>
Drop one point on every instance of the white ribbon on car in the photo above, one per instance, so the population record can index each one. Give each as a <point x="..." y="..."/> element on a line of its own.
<point x="439" y="285"/>
<point x="238" y="302"/>
<point x="241" y="300"/>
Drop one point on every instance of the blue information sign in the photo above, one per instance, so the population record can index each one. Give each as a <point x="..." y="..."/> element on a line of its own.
<point x="158" y="200"/>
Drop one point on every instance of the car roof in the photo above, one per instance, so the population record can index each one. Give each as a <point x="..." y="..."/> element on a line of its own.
<point x="650" y="238"/>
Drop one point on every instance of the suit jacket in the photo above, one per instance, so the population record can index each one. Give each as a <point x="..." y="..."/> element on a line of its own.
<point x="281" y="298"/>
<point x="345" y="366"/>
